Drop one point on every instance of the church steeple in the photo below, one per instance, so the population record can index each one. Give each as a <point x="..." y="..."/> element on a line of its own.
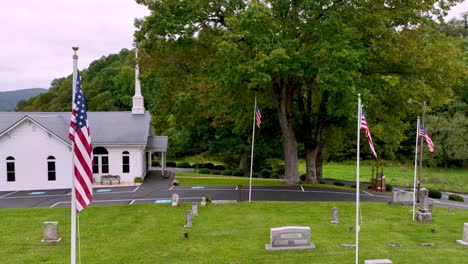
<point x="138" y="103"/>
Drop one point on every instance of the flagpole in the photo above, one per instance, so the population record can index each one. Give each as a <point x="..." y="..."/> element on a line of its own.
<point x="252" y="153"/>
<point x="415" y="168"/>
<point x="357" y="175"/>
<point x="73" y="196"/>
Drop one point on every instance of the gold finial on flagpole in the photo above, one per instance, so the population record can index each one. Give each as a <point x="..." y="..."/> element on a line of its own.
<point x="75" y="49"/>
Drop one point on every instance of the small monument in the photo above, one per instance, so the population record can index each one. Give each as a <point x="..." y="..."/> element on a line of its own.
<point x="378" y="261"/>
<point x="50" y="230"/>
<point x="402" y="197"/>
<point x="334" y="216"/>
<point x="175" y="199"/>
<point x="464" y="241"/>
<point x="194" y="208"/>
<point x="290" y="238"/>
<point x="423" y="214"/>
<point x="203" y="201"/>
<point x="188" y="219"/>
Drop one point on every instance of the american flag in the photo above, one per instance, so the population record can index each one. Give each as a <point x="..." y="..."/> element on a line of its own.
<point x="423" y="133"/>
<point x="365" y="127"/>
<point x="82" y="156"/>
<point x="258" y="116"/>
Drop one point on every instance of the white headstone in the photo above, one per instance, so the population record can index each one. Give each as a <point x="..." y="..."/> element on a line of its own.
<point x="195" y="208"/>
<point x="50" y="230"/>
<point x="378" y="261"/>
<point x="464" y="241"/>
<point x="203" y="201"/>
<point x="175" y="199"/>
<point x="188" y="219"/>
<point x="290" y="238"/>
<point x="334" y="216"/>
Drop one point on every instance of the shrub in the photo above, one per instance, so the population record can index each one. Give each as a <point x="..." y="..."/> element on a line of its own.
<point x="265" y="173"/>
<point x="227" y="172"/>
<point x="175" y="182"/>
<point x="388" y="187"/>
<point x="208" y="198"/>
<point x="138" y="180"/>
<point x="338" y="183"/>
<point x="183" y="164"/>
<point x="278" y="169"/>
<point x="208" y="166"/>
<point x="204" y="171"/>
<point x="436" y="194"/>
<point x="456" y="197"/>
<point x="170" y="164"/>
<point x="197" y="165"/>
<point x="303" y="177"/>
<point x="353" y="186"/>
<point x="219" y="167"/>
<point x="155" y="163"/>
<point x="322" y="182"/>
<point x="237" y="173"/>
<point x="217" y="172"/>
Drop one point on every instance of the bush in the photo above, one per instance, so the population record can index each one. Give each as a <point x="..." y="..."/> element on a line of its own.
<point x="208" y="166"/>
<point x="237" y="173"/>
<point x="175" y="182"/>
<point x="322" y="182"/>
<point x="303" y="177"/>
<point x="388" y="187"/>
<point x="265" y="173"/>
<point x="456" y="197"/>
<point x="217" y="172"/>
<point x="338" y="183"/>
<point x="208" y="198"/>
<point x="219" y="167"/>
<point x="155" y="163"/>
<point x="183" y="164"/>
<point x="204" y="171"/>
<point x="138" y="180"/>
<point x="197" y="165"/>
<point x="436" y="194"/>
<point x="227" y="172"/>
<point x="170" y="164"/>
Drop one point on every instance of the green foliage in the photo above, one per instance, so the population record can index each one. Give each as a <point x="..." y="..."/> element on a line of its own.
<point x="388" y="187"/>
<point x="436" y="194"/>
<point x="204" y="171"/>
<point x="227" y="172"/>
<point x="456" y="197"/>
<point x="338" y="183"/>
<point x="265" y="173"/>
<point x="138" y="179"/>
<point x="303" y="177"/>
<point x="183" y="164"/>
<point x="171" y="164"/>
<point x="155" y="163"/>
<point x="209" y="165"/>
<point x="238" y="172"/>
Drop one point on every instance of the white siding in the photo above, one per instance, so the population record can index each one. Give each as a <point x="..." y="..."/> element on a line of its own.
<point x="137" y="155"/>
<point x="30" y="145"/>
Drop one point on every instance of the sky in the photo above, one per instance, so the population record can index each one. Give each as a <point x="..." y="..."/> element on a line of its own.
<point x="38" y="35"/>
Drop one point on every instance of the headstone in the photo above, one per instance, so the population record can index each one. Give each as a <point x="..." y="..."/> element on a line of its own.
<point x="347" y="245"/>
<point x="402" y="197"/>
<point x="378" y="261"/>
<point x="188" y="219"/>
<point x="194" y="208"/>
<point x="203" y="201"/>
<point x="290" y="238"/>
<point x="175" y="199"/>
<point x="430" y="207"/>
<point x="426" y="244"/>
<point x="450" y="210"/>
<point x="423" y="214"/>
<point x="334" y="216"/>
<point x="50" y="230"/>
<point x="464" y="241"/>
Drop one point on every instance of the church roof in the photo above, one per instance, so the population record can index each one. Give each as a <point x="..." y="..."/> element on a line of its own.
<point x="106" y="128"/>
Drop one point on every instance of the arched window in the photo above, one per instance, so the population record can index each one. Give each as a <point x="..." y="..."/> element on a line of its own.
<point x="101" y="160"/>
<point x="51" y="168"/>
<point x="125" y="162"/>
<point x="10" y="165"/>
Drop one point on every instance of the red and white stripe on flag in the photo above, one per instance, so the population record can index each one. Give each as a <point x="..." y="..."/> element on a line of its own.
<point x="365" y="127"/>
<point x="258" y="116"/>
<point x="83" y="150"/>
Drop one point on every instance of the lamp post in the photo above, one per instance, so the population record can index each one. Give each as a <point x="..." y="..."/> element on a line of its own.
<point x="423" y="109"/>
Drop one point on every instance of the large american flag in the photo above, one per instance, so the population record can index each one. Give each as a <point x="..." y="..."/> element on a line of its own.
<point x="82" y="156"/>
<point x="423" y="133"/>
<point x="365" y="127"/>
<point x="258" y="116"/>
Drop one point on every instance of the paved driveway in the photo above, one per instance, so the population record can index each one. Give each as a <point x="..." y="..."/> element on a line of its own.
<point x="158" y="190"/>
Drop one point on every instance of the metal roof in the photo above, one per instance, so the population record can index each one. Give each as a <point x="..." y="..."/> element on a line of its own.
<point x="157" y="143"/>
<point x="106" y="128"/>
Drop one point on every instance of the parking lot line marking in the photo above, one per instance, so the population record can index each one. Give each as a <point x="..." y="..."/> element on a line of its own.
<point x="55" y="204"/>
<point x="172" y="187"/>
<point x="136" y="188"/>
<point x="368" y="193"/>
<point x="302" y="188"/>
<point x="131" y="202"/>
<point x="8" y="194"/>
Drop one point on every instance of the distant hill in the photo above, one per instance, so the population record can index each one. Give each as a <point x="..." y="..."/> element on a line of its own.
<point x="8" y="100"/>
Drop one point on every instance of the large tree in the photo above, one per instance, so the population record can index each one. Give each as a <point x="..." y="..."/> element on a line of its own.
<point x="311" y="58"/>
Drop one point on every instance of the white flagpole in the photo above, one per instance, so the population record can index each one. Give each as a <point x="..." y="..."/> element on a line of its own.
<point x="415" y="168"/>
<point x="252" y="153"/>
<point x="357" y="175"/>
<point x="73" y="196"/>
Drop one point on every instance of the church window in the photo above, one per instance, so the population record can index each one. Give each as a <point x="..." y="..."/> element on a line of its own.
<point x="125" y="162"/>
<point x="51" y="168"/>
<point x="10" y="165"/>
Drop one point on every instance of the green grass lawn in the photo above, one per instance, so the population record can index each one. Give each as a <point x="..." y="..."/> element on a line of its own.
<point x="231" y="233"/>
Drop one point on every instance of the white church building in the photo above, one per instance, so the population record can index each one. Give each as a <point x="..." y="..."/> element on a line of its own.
<point x="36" y="154"/>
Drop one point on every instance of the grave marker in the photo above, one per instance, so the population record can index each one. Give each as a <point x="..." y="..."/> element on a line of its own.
<point x="290" y="238"/>
<point x="50" y="230"/>
<point x="334" y="216"/>
<point x="188" y="219"/>
<point x="175" y="199"/>
<point x="464" y="241"/>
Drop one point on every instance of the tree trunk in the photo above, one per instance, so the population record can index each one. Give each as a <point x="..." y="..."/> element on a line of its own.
<point x="283" y="94"/>
<point x="314" y="162"/>
<point x="243" y="163"/>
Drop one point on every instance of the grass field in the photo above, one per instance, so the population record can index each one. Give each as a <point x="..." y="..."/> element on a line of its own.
<point x="231" y="233"/>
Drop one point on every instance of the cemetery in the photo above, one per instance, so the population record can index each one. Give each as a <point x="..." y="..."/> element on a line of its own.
<point x="257" y="232"/>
